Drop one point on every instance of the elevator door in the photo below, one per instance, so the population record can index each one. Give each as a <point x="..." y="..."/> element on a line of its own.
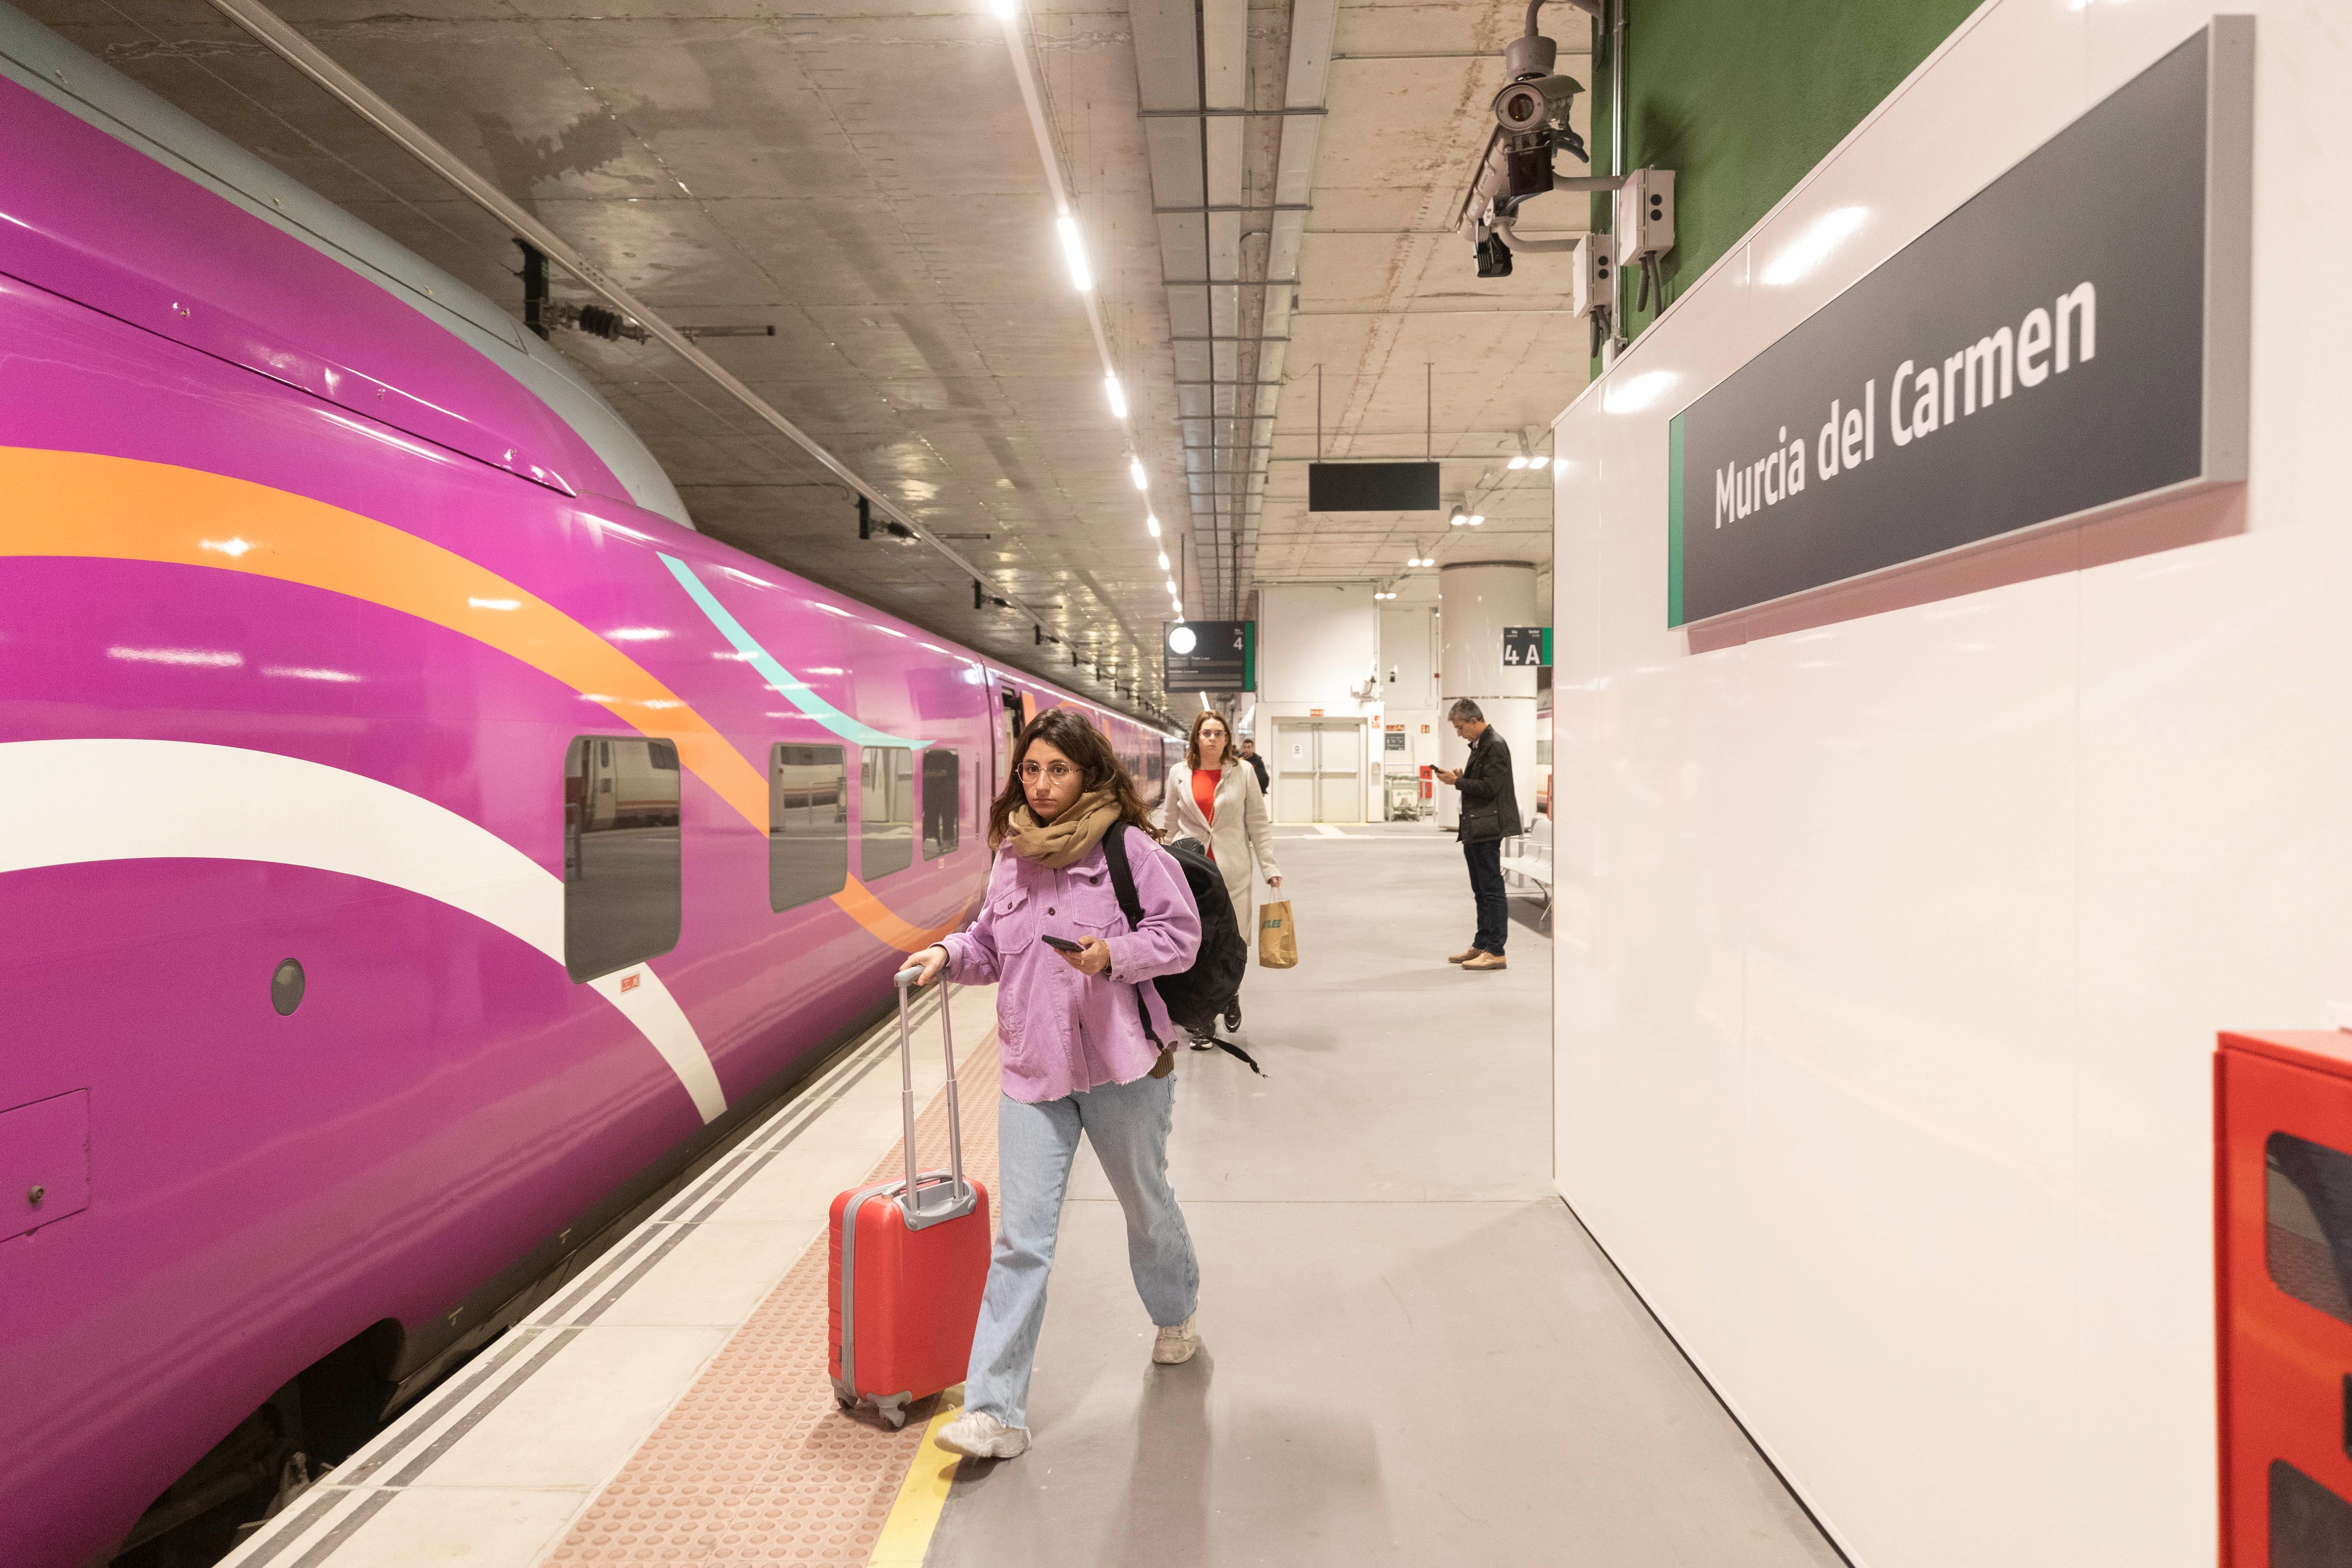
<point x="1320" y="764"/>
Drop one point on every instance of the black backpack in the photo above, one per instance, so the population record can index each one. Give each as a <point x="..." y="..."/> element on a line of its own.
<point x="1197" y="995"/>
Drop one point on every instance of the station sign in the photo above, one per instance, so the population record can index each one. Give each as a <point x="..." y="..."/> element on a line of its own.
<point x="2071" y="341"/>
<point x="1209" y="656"/>
<point x="1523" y="646"/>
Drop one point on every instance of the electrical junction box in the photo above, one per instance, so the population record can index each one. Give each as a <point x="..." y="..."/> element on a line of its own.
<point x="2283" y="1114"/>
<point x="1591" y="275"/>
<point x="1645" y="215"/>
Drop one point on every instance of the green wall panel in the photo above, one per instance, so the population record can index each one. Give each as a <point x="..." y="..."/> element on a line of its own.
<point x="1742" y="99"/>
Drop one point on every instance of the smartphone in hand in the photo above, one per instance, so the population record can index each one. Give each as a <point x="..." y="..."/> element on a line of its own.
<point x="1062" y="943"/>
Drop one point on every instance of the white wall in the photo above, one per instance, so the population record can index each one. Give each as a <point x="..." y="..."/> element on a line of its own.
<point x="1892" y="951"/>
<point x="1409" y="681"/>
<point x="1316" y="645"/>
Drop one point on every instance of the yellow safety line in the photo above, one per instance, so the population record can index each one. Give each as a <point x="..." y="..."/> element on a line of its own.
<point x="906" y="1537"/>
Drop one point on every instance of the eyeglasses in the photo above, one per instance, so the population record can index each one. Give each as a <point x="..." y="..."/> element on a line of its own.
<point x="1059" y="773"/>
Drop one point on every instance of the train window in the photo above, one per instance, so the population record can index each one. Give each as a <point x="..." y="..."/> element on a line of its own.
<point x="808" y="824"/>
<point x="943" y="802"/>
<point x="886" y="804"/>
<point x="2307" y="1223"/>
<point x="621" y="850"/>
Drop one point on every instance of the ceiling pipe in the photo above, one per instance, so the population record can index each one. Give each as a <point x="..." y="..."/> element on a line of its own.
<point x="1617" y="167"/>
<point x="295" y="51"/>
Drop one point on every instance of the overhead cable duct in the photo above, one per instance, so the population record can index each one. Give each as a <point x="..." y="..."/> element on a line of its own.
<point x="295" y="51"/>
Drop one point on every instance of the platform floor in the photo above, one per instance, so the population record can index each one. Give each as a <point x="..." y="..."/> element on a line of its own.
<point x="1414" y="1354"/>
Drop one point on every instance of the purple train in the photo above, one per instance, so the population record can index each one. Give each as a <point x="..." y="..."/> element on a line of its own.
<point x="418" y="844"/>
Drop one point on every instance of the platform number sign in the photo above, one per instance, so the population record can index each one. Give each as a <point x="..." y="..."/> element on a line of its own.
<point x="1525" y="646"/>
<point x="1211" y="656"/>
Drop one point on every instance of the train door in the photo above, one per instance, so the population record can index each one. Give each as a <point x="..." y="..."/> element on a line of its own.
<point x="1013" y="709"/>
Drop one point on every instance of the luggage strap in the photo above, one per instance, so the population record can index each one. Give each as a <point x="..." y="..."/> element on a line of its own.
<point x="1122" y="882"/>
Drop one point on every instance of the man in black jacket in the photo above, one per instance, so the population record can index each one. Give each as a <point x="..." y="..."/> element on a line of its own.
<point x="1490" y="813"/>
<point x="1257" y="766"/>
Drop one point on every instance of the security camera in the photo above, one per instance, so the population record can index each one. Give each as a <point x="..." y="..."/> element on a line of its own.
<point x="1542" y="104"/>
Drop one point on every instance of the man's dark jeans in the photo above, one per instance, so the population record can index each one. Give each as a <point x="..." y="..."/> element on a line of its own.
<point x="1486" y="886"/>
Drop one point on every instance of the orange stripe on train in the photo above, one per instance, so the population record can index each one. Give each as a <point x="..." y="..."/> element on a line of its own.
<point x="91" y="505"/>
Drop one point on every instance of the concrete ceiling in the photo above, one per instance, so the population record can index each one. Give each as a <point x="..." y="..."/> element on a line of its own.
<point x="868" y="184"/>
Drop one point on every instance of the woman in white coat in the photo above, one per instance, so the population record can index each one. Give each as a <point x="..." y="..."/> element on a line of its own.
<point x="1215" y="799"/>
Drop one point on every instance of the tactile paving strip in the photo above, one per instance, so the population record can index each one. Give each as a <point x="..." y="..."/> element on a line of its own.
<point x="757" y="1463"/>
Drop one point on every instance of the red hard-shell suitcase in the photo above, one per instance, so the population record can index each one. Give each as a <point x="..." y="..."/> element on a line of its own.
<point x="906" y="1276"/>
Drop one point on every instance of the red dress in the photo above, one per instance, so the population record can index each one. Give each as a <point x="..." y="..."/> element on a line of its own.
<point x="1205" y="795"/>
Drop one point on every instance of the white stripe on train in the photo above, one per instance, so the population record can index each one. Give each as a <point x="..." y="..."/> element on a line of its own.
<point x="84" y="800"/>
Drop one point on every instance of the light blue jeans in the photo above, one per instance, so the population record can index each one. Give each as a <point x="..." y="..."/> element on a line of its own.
<point x="1128" y="1125"/>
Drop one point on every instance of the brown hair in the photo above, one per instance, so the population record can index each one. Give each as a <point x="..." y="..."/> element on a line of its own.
<point x="1067" y="730"/>
<point x="1193" y="741"/>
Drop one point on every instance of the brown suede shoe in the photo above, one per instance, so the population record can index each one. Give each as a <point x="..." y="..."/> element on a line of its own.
<point x="1466" y="955"/>
<point x="1487" y="961"/>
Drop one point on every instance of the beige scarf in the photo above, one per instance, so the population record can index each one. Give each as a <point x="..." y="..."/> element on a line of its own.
<point x="1064" y="841"/>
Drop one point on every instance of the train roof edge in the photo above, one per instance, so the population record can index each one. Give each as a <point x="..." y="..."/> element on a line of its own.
<point x="104" y="98"/>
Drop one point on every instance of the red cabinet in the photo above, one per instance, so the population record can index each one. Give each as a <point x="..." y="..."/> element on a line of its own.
<point x="2282" y="1108"/>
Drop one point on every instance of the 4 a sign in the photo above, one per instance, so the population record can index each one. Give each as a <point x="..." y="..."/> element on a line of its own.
<point x="2071" y="341"/>
<point x="1525" y="646"/>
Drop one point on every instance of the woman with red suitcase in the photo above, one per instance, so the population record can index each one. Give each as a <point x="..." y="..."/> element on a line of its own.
<point x="1077" y="1056"/>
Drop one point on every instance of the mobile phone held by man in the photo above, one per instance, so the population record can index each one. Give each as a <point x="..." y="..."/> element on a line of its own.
<point x="1062" y="943"/>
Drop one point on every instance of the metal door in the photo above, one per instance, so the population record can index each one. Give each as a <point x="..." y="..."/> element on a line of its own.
<point x="1319" y="770"/>
<point x="1339" y="771"/>
<point x="1294" y="770"/>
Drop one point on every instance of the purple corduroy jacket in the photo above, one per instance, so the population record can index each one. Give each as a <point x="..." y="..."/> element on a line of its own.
<point x="1063" y="1032"/>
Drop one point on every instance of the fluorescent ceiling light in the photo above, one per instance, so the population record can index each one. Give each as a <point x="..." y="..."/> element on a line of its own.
<point x="1171" y="587"/>
<point x="1074" y="247"/>
<point x="1474" y="519"/>
<point x="1118" y="398"/>
<point x="1163" y="561"/>
<point x="1517" y="463"/>
<point x="1004" y="8"/>
<point x="1539" y="461"/>
<point x="1813" y="247"/>
<point x="1637" y="393"/>
<point x="1135" y="472"/>
<point x="1152" y="523"/>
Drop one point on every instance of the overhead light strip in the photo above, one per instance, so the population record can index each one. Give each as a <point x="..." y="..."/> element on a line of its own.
<point x="1066" y="222"/>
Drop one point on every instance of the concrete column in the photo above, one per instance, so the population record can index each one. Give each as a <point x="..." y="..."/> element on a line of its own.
<point x="1475" y="599"/>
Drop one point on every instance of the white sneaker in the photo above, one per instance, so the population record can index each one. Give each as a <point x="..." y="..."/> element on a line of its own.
<point x="1175" y="1344"/>
<point x="977" y="1435"/>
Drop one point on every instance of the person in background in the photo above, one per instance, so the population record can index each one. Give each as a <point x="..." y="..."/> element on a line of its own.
<point x="1257" y="765"/>
<point x="1490" y="813"/>
<point x="1075" y="1055"/>
<point x="1217" y="800"/>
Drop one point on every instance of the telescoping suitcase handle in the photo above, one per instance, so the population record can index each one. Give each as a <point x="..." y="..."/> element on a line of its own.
<point x="957" y="1193"/>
